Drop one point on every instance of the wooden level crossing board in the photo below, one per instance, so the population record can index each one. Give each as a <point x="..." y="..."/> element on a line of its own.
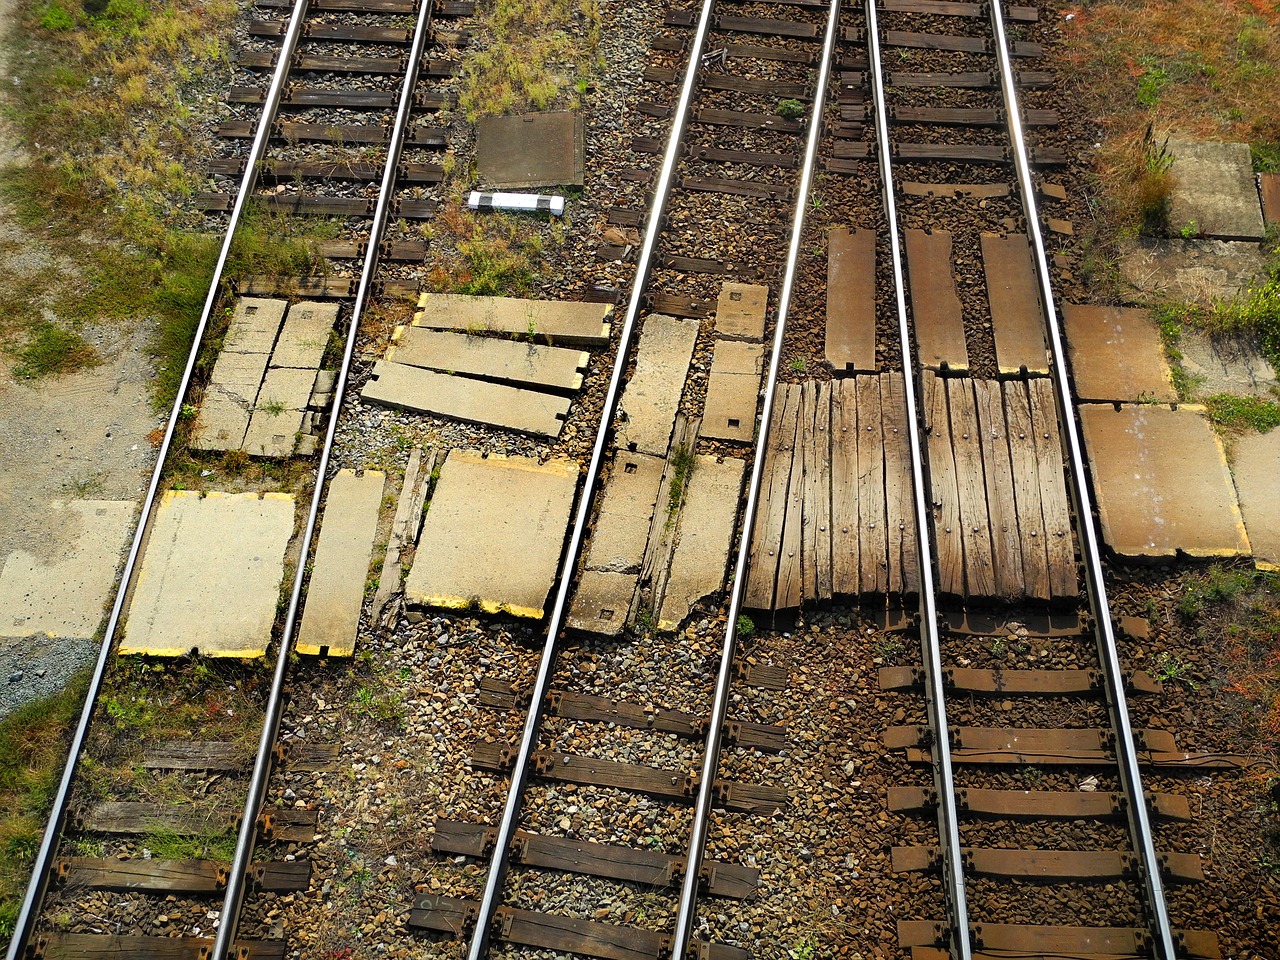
<point x="836" y="515"/>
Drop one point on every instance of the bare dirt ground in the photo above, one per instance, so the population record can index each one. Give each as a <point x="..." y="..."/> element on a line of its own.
<point x="83" y="435"/>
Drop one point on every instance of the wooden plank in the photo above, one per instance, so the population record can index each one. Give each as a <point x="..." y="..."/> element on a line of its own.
<point x="148" y="876"/>
<point x="1038" y="804"/>
<point x="1029" y="741"/>
<point x="1059" y="540"/>
<point x="788" y="593"/>
<point x="766" y="538"/>
<point x="767" y="27"/>
<point x="935" y="305"/>
<point x="975" y="525"/>
<point x="1026" y="489"/>
<point x="758" y="87"/>
<point x="873" y="549"/>
<point x="809" y="509"/>
<point x="851" y="300"/>
<point x="749" y="121"/>
<point x="948" y="8"/>
<point x="92" y="946"/>
<point x="1017" y="314"/>
<point x="1049" y="864"/>
<point x="1003" y="939"/>
<point x="1006" y="550"/>
<point x="935" y="41"/>
<point x="818" y="494"/>
<point x="976" y="191"/>
<point x="287" y="824"/>
<point x="845" y="530"/>
<point x="281" y="876"/>
<point x="946" y="495"/>
<point x="904" y="574"/>
<point x="214" y="756"/>
<point x="135" y="818"/>
<point x="961" y="80"/>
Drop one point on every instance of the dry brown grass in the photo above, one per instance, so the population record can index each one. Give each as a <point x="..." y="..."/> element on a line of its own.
<point x="1204" y="69"/>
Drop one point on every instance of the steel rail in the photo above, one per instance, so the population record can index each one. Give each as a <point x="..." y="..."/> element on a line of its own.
<point x="25" y="923"/>
<point x="230" y="915"/>
<point x="505" y="833"/>
<point x="1126" y="754"/>
<point x="686" y="913"/>
<point x="930" y="644"/>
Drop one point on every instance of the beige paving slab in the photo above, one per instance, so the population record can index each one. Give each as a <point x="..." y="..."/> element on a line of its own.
<point x="65" y="595"/>
<point x="707" y="522"/>
<point x="561" y="322"/>
<point x="733" y="390"/>
<point x="1255" y="466"/>
<point x="1162" y="483"/>
<point x="1116" y="354"/>
<point x="493" y="534"/>
<point x="255" y="321"/>
<point x="647" y="411"/>
<point x="305" y="334"/>
<point x="211" y="575"/>
<point x="228" y="401"/>
<point x="512" y="361"/>
<point x="622" y="526"/>
<point x="335" y="593"/>
<point x="601" y="602"/>
<point x="740" y="311"/>
<point x="278" y="413"/>
<point x="462" y="398"/>
<point x="1214" y="192"/>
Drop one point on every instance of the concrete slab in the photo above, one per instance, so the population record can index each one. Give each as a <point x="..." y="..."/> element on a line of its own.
<point x="1162" y="482"/>
<point x="412" y="388"/>
<point x="559" y="322"/>
<point x="228" y="401"/>
<point x="1116" y="354"/>
<point x="622" y="526"/>
<point x="66" y="595"/>
<point x="1214" y="192"/>
<point x="850" y="342"/>
<point x="740" y="311"/>
<point x="493" y="534"/>
<point x="531" y="150"/>
<point x="278" y="414"/>
<point x="601" y="602"/>
<point x="521" y="364"/>
<point x="210" y="575"/>
<point x="255" y="321"/>
<point x="305" y="335"/>
<point x="1197" y="271"/>
<point x="707" y="522"/>
<point x="335" y="594"/>
<point x="733" y="391"/>
<point x="1255" y="465"/>
<point x="1226" y="365"/>
<point x="651" y="397"/>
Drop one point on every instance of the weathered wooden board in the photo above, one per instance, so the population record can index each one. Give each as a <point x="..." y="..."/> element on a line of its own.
<point x="1002" y="511"/>
<point x="935" y="305"/>
<point x="946" y="496"/>
<point x="1017" y="314"/>
<point x="874" y="548"/>
<point x="766" y="538"/>
<point x="1059" y="541"/>
<point x="851" y="300"/>
<point x="1026" y="486"/>
<point x="789" y="594"/>
<point x="846" y="531"/>
<point x="979" y="573"/>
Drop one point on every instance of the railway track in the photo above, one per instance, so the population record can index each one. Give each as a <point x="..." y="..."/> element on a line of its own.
<point x="66" y="883"/>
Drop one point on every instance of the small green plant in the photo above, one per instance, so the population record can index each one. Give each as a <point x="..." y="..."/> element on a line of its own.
<point x="1220" y="585"/>
<point x="682" y="463"/>
<point x="887" y="645"/>
<point x="1032" y="776"/>
<point x="1170" y="667"/>
<point x="645" y="623"/>
<point x="999" y="646"/>
<point x="1239" y="414"/>
<point x="798" y="365"/>
<point x="746" y="626"/>
<point x="381" y="705"/>
<point x="1266" y="157"/>
<point x="1152" y="81"/>
<point x="790" y="109"/>
<point x="1190" y="230"/>
<point x="804" y="950"/>
<point x="54" y="351"/>
<point x="57" y="18"/>
<point x="272" y="408"/>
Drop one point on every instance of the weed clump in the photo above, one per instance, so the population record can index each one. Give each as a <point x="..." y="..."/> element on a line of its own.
<point x="496" y="256"/>
<point x="54" y="350"/>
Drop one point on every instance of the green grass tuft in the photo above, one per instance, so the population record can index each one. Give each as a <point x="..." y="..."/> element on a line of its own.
<point x="1243" y="413"/>
<point x="52" y="350"/>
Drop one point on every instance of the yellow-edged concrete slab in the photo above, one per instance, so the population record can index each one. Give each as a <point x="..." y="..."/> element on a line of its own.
<point x="493" y="534"/>
<point x="562" y="322"/>
<point x="335" y="594"/>
<point x="1255" y="465"/>
<point x="1162" y="483"/>
<point x="210" y="575"/>
<point x="1116" y="354"/>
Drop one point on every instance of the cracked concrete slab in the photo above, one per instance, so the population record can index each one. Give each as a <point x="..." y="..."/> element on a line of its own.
<point x="1214" y="190"/>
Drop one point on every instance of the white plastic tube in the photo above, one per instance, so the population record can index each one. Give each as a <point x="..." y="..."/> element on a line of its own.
<point x="516" y="201"/>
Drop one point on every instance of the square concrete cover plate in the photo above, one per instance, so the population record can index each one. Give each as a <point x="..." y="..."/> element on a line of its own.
<point x="531" y="150"/>
<point x="493" y="534"/>
<point x="1162" y="482"/>
<point x="210" y="575"/>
